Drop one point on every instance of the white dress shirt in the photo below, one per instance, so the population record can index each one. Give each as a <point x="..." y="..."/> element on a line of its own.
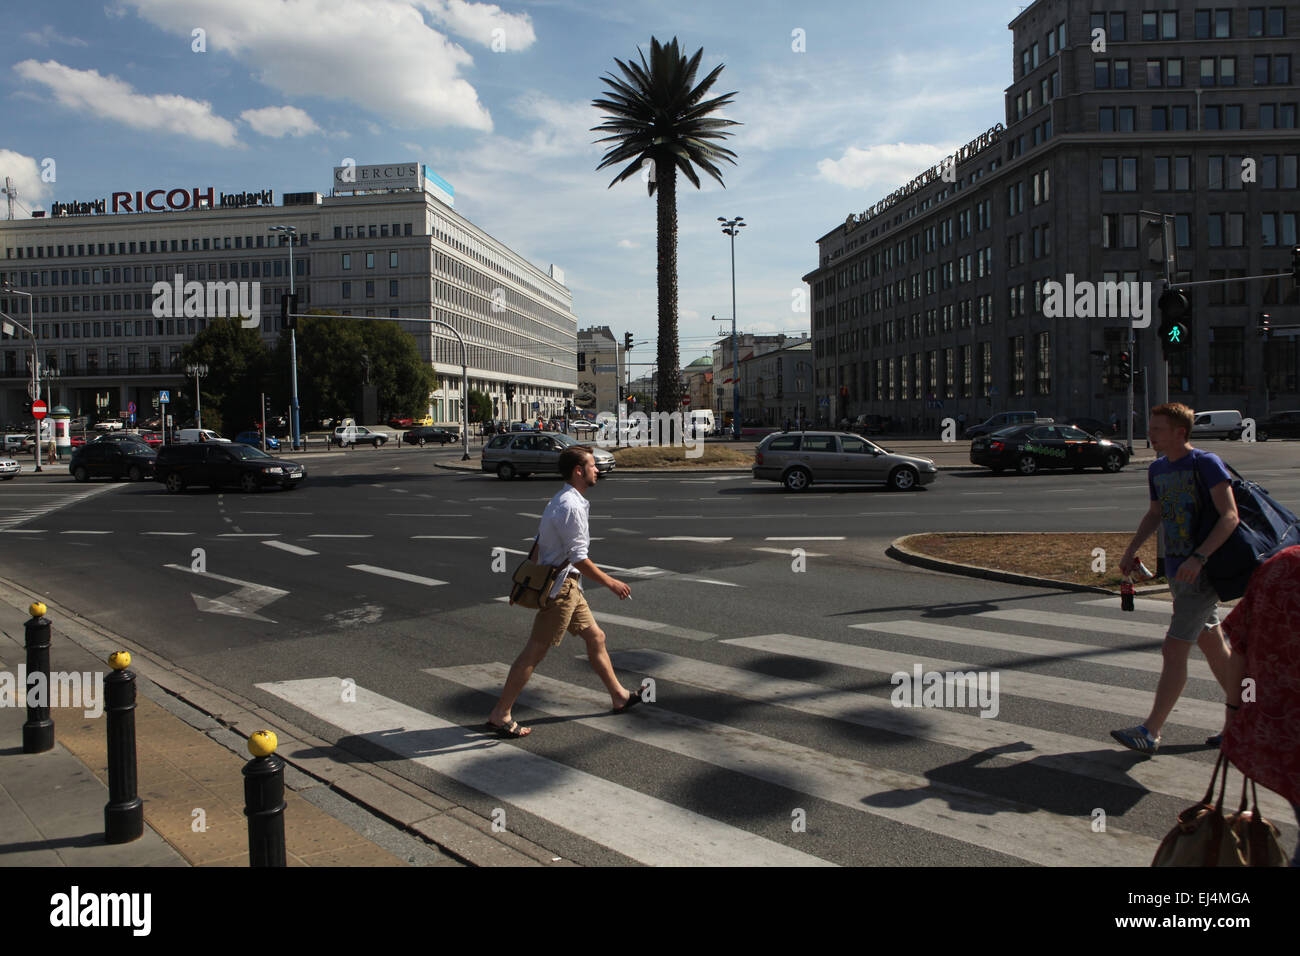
<point x="563" y="538"/>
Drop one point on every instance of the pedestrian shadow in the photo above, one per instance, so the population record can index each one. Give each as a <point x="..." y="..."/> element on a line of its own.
<point x="966" y="784"/>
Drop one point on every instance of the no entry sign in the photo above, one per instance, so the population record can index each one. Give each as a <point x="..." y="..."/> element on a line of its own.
<point x="39" y="409"/>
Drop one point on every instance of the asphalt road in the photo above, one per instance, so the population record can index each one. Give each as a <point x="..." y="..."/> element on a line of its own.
<point x="772" y="668"/>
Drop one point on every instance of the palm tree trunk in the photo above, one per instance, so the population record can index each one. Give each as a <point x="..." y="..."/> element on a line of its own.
<point x="668" y="393"/>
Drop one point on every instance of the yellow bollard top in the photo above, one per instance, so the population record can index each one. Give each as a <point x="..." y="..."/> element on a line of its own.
<point x="37" y="609"/>
<point x="119" y="660"/>
<point x="262" y="743"/>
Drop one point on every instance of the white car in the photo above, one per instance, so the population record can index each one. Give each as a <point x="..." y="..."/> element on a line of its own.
<point x="357" y="435"/>
<point x="9" y="469"/>
<point x="108" y="425"/>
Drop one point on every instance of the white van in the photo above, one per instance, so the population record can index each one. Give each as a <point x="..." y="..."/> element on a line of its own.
<point x="702" y="420"/>
<point x="1218" y="424"/>
<point x="199" y="435"/>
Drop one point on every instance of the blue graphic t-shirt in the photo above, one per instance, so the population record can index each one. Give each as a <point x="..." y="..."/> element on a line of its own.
<point x="1173" y="484"/>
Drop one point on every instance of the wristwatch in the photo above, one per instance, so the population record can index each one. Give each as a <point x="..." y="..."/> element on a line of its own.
<point x="1199" y="557"/>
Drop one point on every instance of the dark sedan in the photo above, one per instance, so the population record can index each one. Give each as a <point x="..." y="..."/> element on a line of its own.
<point x="429" y="435"/>
<point x="1032" y="448"/>
<point x="1093" y="426"/>
<point x="227" y="463"/>
<point x="1279" y="425"/>
<point x="113" y="459"/>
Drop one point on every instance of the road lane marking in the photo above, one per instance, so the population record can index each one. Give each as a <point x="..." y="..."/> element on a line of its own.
<point x="696" y="540"/>
<point x="638" y="624"/>
<point x="85" y="532"/>
<point x="1145" y="605"/>
<point x="639" y="826"/>
<point x="340" y="535"/>
<point x="245" y="601"/>
<point x="446" y="537"/>
<point x="249" y="534"/>
<point x="291" y="548"/>
<point x="399" y="575"/>
<point x="416" y="514"/>
<point x="786" y="552"/>
<point x="807" y="538"/>
<point x="179" y="534"/>
<point x="1014" y="828"/>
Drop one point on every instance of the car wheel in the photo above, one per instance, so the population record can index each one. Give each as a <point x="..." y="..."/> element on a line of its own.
<point x="796" y="479"/>
<point x="903" y="478"/>
<point x="379" y="442"/>
<point x="135" y="474"/>
<point x="80" y="473"/>
<point x="505" y="471"/>
<point x="420" y="441"/>
<point x="174" y="483"/>
<point x="1113" y="462"/>
<point x="248" y="483"/>
<point x="1027" y="465"/>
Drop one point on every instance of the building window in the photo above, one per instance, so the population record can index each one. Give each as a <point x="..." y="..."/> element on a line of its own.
<point x="347" y="262"/>
<point x="370" y="259"/>
<point x="1043" y="372"/>
<point x="370" y="288"/>
<point x="347" y="290"/>
<point x="392" y="260"/>
<point x="1155" y="73"/>
<point x="1227" y="352"/>
<point x="1016" y="360"/>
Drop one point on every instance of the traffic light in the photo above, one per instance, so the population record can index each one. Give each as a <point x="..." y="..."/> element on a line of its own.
<point x="1263" y="325"/>
<point x="1175" y="334"/>
<point x="288" y="307"/>
<point x="27" y="409"/>
<point x="627" y="341"/>
<point x="1125" y="368"/>
<point x="510" y="391"/>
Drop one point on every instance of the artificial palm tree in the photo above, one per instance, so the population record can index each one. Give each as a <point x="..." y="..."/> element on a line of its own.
<point x="658" y="118"/>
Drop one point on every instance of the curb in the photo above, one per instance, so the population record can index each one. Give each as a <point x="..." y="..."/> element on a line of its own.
<point x="406" y="806"/>
<point x="899" y="551"/>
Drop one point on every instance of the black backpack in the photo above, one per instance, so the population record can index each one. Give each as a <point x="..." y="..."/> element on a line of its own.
<point x="1265" y="528"/>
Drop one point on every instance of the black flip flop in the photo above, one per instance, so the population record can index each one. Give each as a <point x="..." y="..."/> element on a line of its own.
<point x="504" y="732"/>
<point x="631" y="702"/>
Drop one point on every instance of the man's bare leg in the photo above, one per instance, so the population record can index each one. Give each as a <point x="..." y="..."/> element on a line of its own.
<point x="520" y="671"/>
<point x="604" y="668"/>
<point x="1173" y="678"/>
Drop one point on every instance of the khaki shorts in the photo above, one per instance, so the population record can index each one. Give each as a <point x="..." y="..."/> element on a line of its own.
<point x="568" y="612"/>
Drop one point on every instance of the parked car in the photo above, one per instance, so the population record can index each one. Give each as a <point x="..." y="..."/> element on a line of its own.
<point x="109" y="425"/>
<point x="428" y="435"/>
<point x="523" y="427"/>
<point x="400" y="421"/>
<point x="220" y="464"/>
<point x="119" y="438"/>
<point x="426" y="421"/>
<point x="199" y="435"/>
<point x="1000" y="421"/>
<point x="520" y="455"/>
<point x="801" y="459"/>
<point x="113" y="459"/>
<point x="1224" y="423"/>
<point x="868" y="425"/>
<point x="1279" y="425"/>
<point x="357" y="435"/>
<point x="15" y="442"/>
<point x="1093" y="426"/>
<point x="9" y="468"/>
<point x="255" y="439"/>
<point x="1033" y="448"/>
<point x="582" y="426"/>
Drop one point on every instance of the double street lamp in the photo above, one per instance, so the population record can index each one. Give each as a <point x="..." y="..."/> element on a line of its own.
<point x="198" y="371"/>
<point x="292" y="233"/>
<point x="732" y="227"/>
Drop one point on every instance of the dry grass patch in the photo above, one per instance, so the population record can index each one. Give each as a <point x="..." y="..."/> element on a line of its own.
<point x="1063" y="556"/>
<point x="714" y="456"/>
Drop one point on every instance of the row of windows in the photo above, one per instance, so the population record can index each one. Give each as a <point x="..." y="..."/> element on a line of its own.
<point x="151" y="246"/>
<point x="1120" y="174"/>
<point x="450" y="234"/>
<point x="245" y="269"/>
<point x="345" y="290"/>
<point x="120" y="302"/>
<point x="345" y="260"/>
<point x="1029" y="56"/>
<point x="372" y="231"/>
<point x="1123" y="119"/>
<point x="1272" y="69"/>
<point x="1208" y="24"/>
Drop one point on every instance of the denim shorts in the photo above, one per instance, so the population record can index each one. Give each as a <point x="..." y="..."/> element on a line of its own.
<point x="1196" y="607"/>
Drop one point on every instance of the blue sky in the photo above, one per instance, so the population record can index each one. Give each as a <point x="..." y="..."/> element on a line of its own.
<point x="496" y="98"/>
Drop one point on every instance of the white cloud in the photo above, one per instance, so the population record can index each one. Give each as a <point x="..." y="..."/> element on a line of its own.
<point x="48" y="35"/>
<point x="881" y="168"/>
<point x="378" y="54"/>
<point x="628" y="244"/>
<point x="107" y="97"/>
<point x="26" y="174"/>
<point x="563" y="129"/>
<point x="480" y="22"/>
<point x="280" y="121"/>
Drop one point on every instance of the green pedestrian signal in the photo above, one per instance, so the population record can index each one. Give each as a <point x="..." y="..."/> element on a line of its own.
<point x="1175" y="335"/>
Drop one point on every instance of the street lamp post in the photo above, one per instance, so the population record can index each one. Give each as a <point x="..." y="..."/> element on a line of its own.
<point x="49" y="373"/>
<point x="800" y="389"/>
<point x="198" y="371"/>
<point x="732" y="227"/>
<point x="33" y="389"/>
<point x="292" y="233"/>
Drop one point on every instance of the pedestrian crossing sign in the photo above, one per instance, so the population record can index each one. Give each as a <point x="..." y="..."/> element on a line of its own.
<point x="164" y="397"/>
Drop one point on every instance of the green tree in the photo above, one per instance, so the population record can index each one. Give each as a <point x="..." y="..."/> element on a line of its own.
<point x="238" y="367"/>
<point x="336" y="355"/>
<point x="658" y="117"/>
<point x="480" y="406"/>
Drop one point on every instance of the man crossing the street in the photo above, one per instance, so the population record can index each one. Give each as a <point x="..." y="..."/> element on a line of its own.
<point x="562" y="541"/>
<point x="1175" y="481"/>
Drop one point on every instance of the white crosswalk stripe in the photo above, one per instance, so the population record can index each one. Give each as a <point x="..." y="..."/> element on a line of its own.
<point x="57" y="503"/>
<point x="639" y="826"/>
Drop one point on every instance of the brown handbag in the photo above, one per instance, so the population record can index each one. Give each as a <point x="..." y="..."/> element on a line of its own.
<point x="1205" y="836"/>
<point x="532" y="583"/>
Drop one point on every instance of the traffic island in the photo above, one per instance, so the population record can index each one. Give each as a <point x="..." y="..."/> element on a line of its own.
<point x="674" y="457"/>
<point x="1072" y="561"/>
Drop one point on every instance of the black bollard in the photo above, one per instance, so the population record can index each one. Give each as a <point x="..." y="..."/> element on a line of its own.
<point x="264" y="801"/>
<point x="38" y="732"/>
<point x="124" y="812"/>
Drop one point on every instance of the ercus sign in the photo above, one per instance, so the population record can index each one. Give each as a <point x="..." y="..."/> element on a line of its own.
<point x="390" y="176"/>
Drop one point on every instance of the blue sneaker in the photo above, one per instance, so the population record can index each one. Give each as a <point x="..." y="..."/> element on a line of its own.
<point x="1137" y="738"/>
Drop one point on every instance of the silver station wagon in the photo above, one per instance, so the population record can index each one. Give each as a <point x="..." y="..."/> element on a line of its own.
<point x="520" y="454"/>
<point x="800" y="459"/>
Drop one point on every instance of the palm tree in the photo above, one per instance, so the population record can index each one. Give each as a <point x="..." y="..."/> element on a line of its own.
<point x="657" y="117"/>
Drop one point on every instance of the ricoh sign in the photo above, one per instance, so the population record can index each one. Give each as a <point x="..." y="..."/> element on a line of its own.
<point x="163" y="200"/>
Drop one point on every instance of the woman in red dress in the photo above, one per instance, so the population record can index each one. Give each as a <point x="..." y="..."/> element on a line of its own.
<point x="1262" y="734"/>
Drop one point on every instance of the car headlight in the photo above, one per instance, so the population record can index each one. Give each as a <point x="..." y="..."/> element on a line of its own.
<point x="275" y="470"/>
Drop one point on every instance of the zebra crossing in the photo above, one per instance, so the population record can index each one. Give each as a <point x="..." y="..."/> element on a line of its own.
<point x="43" y="503"/>
<point x="668" y="828"/>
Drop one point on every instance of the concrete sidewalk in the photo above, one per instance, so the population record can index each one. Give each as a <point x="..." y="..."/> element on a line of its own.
<point x="189" y="770"/>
